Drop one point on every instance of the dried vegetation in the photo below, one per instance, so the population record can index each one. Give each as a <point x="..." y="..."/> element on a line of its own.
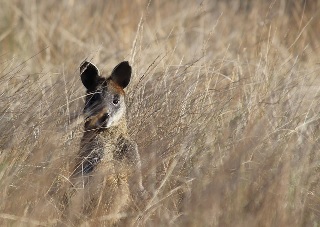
<point x="223" y="105"/>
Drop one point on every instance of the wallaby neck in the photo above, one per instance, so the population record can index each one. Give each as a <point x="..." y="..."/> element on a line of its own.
<point x="114" y="132"/>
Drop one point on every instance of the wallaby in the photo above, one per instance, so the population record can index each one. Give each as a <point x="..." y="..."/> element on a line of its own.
<point x="108" y="158"/>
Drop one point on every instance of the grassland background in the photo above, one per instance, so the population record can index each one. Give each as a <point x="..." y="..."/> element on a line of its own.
<point x="224" y="106"/>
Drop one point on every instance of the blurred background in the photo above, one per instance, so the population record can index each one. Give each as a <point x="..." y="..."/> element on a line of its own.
<point x="223" y="103"/>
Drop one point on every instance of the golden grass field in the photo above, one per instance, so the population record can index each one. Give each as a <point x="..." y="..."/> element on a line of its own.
<point x="224" y="105"/>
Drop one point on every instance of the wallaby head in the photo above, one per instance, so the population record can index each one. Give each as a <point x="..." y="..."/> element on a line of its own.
<point x="105" y="105"/>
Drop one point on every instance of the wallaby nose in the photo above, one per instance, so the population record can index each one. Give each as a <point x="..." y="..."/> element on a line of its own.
<point x="104" y="117"/>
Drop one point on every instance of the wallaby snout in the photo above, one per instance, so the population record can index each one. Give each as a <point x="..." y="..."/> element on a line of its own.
<point x="98" y="121"/>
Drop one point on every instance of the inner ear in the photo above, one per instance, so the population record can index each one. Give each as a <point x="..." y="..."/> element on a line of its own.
<point x="121" y="74"/>
<point x="89" y="75"/>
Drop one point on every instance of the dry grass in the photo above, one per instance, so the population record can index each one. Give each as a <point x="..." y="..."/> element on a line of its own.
<point x="223" y="105"/>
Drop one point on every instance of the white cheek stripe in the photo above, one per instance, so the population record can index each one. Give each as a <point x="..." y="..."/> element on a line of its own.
<point x="115" y="119"/>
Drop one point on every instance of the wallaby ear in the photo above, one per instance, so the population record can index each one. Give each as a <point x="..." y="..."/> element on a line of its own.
<point x="89" y="75"/>
<point x="121" y="74"/>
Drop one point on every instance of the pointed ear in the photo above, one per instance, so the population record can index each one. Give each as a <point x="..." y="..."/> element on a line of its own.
<point x="89" y="75"/>
<point x="121" y="74"/>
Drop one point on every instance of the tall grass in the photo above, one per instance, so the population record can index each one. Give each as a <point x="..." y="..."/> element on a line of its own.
<point x="223" y="105"/>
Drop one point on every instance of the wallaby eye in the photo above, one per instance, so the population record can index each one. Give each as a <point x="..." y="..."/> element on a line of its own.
<point x="115" y="100"/>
